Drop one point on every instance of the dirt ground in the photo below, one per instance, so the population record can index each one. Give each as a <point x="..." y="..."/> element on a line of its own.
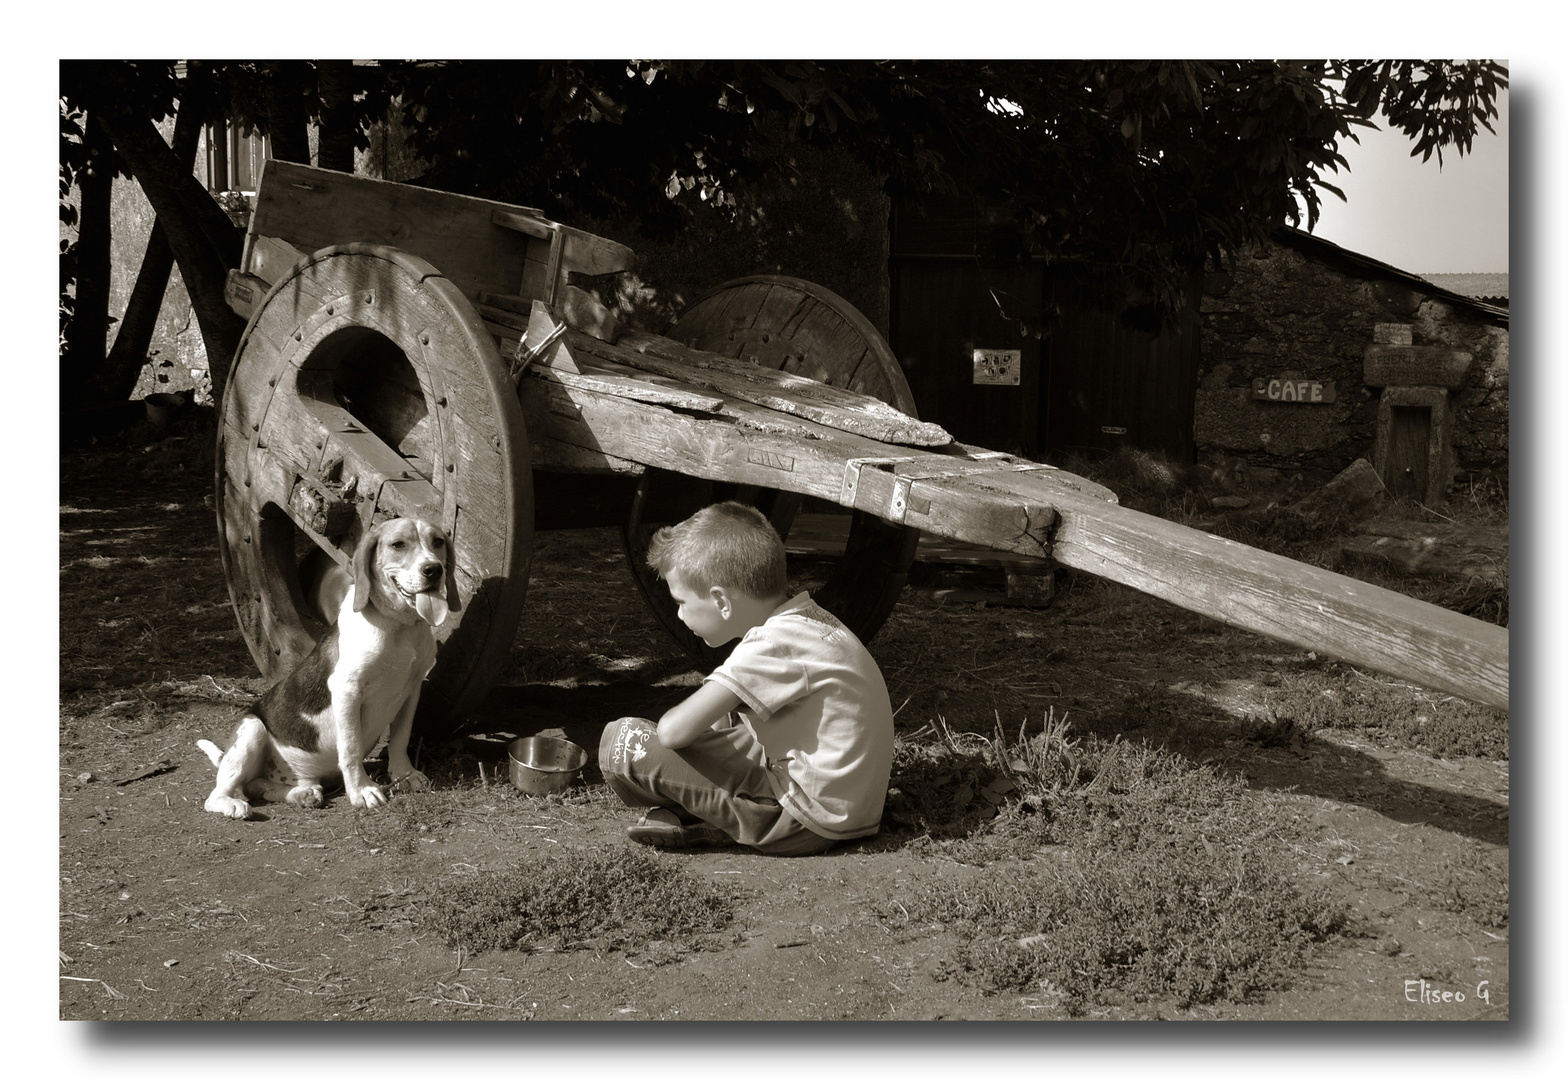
<point x="167" y="912"/>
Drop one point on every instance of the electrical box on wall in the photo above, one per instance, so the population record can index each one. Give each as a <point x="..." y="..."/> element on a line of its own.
<point x="998" y="367"/>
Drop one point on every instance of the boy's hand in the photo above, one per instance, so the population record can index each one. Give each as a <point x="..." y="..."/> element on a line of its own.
<point x="685" y="722"/>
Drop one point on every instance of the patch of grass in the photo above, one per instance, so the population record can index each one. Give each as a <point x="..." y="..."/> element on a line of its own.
<point x="1161" y="880"/>
<point x="1471" y="885"/>
<point x="985" y="799"/>
<point x="1282" y="532"/>
<point x="1153" y="923"/>
<point x="407" y="818"/>
<point x="579" y="899"/>
<point x="1481" y="498"/>
<point x="1475" y="597"/>
<point x="1439" y="724"/>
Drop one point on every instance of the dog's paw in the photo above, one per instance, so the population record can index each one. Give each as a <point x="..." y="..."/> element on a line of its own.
<point x="368" y="797"/>
<point x="228" y="806"/>
<point x="412" y="780"/>
<point x="309" y="796"/>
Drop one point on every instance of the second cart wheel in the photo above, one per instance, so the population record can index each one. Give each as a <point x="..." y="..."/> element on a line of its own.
<point x="366" y="387"/>
<point x="792" y="325"/>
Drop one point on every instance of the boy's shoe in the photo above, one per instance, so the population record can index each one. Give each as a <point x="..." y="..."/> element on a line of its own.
<point x="660" y="828"/>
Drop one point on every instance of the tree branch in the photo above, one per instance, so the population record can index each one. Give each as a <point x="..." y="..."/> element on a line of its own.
<point x="204" y="241"/>
<point x="115" y="380"/>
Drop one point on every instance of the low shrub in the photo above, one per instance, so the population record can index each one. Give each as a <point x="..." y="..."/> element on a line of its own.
<point x="620" y="899"/>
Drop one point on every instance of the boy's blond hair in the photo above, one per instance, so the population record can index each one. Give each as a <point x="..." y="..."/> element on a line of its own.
<point x="728" y="544"/>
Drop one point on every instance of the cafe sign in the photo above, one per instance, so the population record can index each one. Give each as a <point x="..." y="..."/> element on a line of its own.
<point x="1309" y="391"/>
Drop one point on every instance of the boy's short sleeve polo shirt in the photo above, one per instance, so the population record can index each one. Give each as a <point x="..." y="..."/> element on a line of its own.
<point x="817" y="702"/>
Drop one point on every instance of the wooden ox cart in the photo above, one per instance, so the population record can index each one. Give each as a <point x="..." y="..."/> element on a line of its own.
<point x="417" y="352"/>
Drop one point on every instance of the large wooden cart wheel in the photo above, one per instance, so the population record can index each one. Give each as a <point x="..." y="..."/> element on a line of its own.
<point x="789" y="324"/>
<point x="366" y="387"/>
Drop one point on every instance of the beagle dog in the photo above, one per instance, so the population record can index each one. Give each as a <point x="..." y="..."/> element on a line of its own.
<point x="362" y="679"/>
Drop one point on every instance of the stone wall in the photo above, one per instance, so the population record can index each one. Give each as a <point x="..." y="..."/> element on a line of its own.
<point x="1308" y="315"/>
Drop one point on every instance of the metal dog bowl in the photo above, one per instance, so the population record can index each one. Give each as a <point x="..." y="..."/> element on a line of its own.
<point x="542" y="764"/>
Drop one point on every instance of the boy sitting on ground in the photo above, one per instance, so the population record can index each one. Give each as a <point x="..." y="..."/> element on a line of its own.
<point x="787" y="746"/>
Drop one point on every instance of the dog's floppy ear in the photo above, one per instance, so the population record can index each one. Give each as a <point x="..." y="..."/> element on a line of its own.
<point x="363" y="556"/>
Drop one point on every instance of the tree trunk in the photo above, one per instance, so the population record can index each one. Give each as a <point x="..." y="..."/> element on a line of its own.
<point x="86" y="336"/>
<point x="115" y="380"/>
<point x="286" y="118"/>
<point x="335" y="141"/>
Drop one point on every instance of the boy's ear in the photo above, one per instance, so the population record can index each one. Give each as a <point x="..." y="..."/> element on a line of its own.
<point x="721" y="600"/>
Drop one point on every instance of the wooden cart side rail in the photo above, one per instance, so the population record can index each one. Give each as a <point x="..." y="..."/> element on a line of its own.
<point x="1007" y="504"/>
<point x="477" y="244"/>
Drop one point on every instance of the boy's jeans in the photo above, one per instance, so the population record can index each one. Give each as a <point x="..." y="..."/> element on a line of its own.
<point x="721" y="778"/>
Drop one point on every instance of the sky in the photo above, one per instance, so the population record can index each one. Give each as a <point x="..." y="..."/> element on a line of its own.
<point x="1420" y="217"/>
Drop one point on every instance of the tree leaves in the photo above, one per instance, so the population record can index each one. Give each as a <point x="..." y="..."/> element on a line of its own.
<point x="1135" y="171"/>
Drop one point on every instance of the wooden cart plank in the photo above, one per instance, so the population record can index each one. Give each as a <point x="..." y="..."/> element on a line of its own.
<point x="271" y="258"/>
<point x="775" y="390"/>
<point x="743" y="443"/>
<point x="654" y="391"/>
<point x="244" y="293"/>
<point x="581" y="252"/>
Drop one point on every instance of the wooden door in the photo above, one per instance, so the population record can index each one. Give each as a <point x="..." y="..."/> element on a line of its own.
<point x="1110" y="386"/>
<point x="1409" y="434"/>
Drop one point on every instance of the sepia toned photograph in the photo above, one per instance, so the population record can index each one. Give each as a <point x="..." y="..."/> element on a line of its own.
<point x="763" y="540"/>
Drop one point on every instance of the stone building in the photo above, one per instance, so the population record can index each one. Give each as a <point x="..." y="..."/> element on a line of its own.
<point x="1312" y="356"/>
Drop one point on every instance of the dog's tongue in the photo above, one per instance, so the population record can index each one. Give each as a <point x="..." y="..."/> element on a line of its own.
<point x="431" y="608"/>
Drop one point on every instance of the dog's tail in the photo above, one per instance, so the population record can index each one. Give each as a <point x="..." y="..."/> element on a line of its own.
<point x="210" y="749"/>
